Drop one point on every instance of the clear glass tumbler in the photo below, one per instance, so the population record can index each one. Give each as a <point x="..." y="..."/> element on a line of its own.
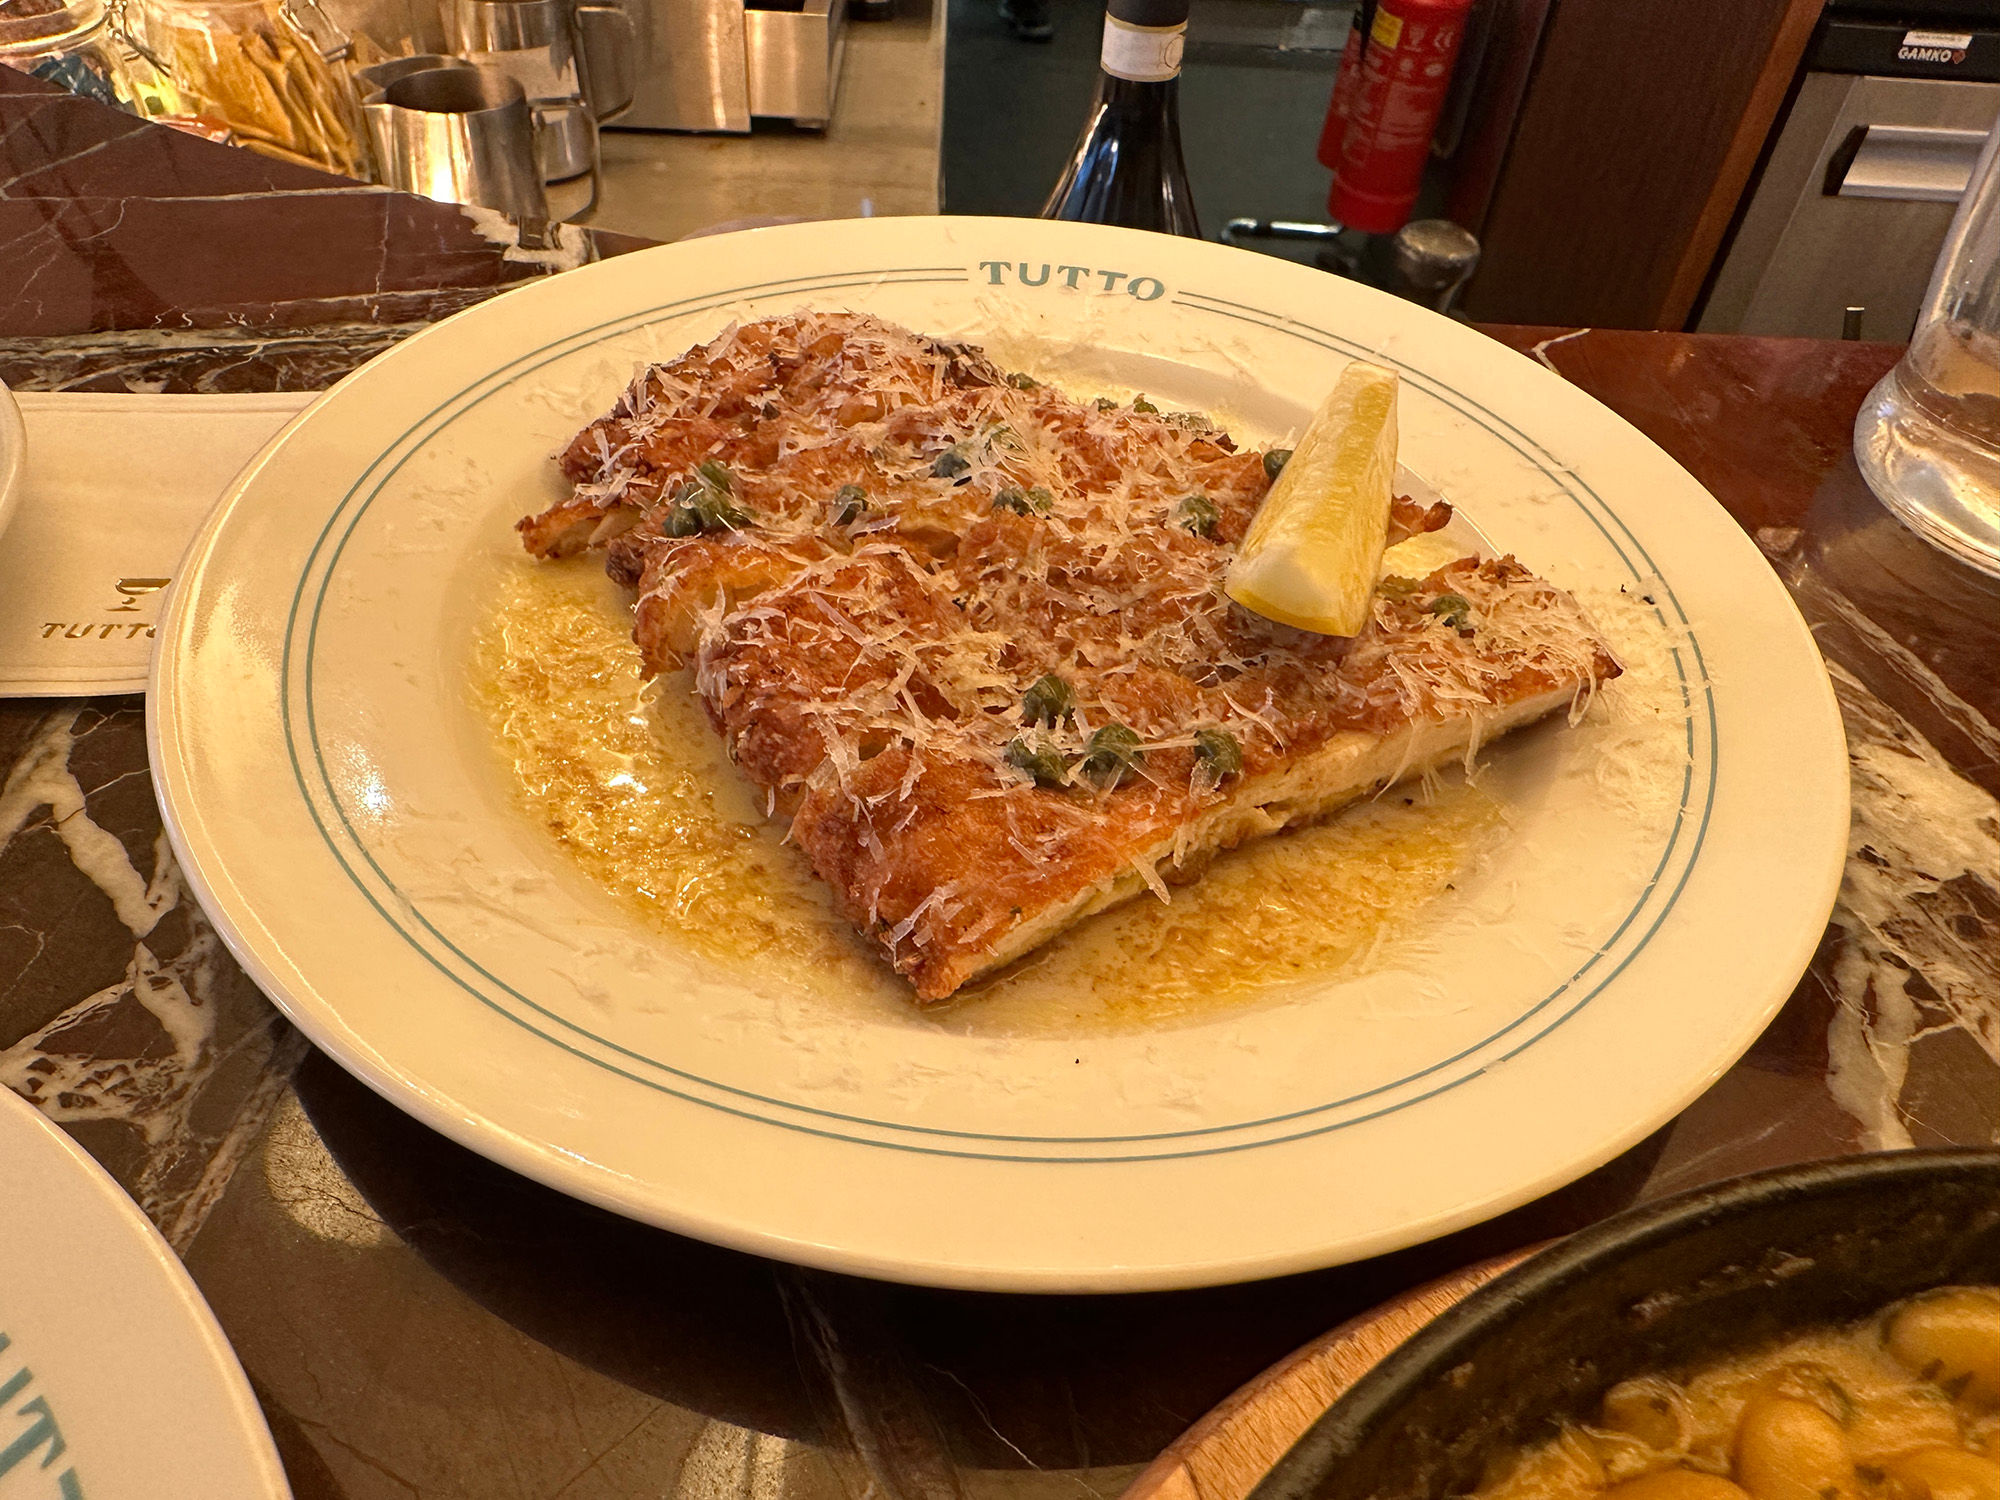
<point x="1928" y="436"/>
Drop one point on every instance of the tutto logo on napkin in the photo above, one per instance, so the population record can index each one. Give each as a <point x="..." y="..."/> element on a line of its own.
<point x="114" y="490"/>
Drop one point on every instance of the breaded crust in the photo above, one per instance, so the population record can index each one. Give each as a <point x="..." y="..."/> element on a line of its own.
<point x="877" y="552"/>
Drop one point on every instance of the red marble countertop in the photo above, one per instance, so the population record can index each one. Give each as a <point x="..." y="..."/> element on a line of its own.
<point x="419" y="1322"/>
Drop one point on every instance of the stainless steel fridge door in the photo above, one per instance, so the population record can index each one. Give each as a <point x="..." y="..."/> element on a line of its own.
<point x="794" y="60"/>
<point x="690" y="72"/>
<point x="1851" y="207"/>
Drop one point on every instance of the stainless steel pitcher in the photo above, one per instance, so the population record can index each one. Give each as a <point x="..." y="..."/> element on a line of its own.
<point x="571" y="57"/>
<point x="371" y="80"/>
<point x="460" y="134"/>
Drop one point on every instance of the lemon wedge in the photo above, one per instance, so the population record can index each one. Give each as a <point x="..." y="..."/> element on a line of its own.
<point x="1314" y="548"/>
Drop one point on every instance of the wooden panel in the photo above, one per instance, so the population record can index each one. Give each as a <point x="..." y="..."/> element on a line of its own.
<point x="1640" y="126"/>
<point x="1512" y="41"/>
<point x="1773" y="82"/>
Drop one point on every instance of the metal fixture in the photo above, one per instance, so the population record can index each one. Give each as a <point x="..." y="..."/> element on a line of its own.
<point x="459" y="135"/>
<point x="713" y="64"/>
<point x="1433" y="259"/>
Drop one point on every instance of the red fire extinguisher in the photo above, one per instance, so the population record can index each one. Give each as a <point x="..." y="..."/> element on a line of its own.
<point x="1391" y="111"/>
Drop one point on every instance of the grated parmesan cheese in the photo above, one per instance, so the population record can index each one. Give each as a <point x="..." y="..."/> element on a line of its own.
<point x="870" y="675"/>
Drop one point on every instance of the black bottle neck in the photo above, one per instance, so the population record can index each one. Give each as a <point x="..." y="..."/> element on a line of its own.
<point x="1127" y="167"/>
<point x="1148" y="12"/>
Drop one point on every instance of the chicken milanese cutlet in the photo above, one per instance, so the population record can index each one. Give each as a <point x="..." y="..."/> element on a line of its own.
<point x="969" y="634"/>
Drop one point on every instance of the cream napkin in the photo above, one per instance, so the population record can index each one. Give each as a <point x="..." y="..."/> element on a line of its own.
<point x="115" y="488"/>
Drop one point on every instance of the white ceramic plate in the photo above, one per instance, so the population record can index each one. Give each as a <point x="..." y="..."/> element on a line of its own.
<point x="13" y="456"/>
<point x="118" y="1384"/>
<point x="1668" y="868"/>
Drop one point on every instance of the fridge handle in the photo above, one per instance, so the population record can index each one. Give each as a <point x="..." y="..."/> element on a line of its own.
<point x="1912" y="163"/>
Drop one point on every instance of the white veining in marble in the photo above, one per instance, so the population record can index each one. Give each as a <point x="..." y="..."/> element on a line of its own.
<point x="1923" y="840"/>
<point x="42" y="779"/>
<point x="1541" y="351"/>
<point x="151" y="360"/>
<point x="52" y="163"/>
<point x="155" y="1092"/>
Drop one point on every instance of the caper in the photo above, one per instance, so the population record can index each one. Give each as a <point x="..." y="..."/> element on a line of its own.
<point x="1040" y="762"/>
<point x="1034" y="502"/>
<point x="1218" y="754"/>
<point x="715" y="475"/>
<point x="850" y="504"/>
<point x="1105" y="403"/>
<point x="1146" y="408"/>
<point x="1454" y="610"/>
<point x="1394" y="586"/>
<point x="950" y="464"/>
<point x="1275" y="460"/>
<point x="1022" y="382"/>
<point x="720" y="513"/>
<point x="1049" y="701"/>
<point x="699" y="507"/>
<point x="1198" y="514"/>
<point x="1112" y="751"/>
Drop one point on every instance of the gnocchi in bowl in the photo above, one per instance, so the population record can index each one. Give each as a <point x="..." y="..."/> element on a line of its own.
<point x="1822" y="1332"/>
<point x="1902" y="1406"/>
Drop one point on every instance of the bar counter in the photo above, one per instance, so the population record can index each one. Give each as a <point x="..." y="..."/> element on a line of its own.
<point x="418" y="1322"/>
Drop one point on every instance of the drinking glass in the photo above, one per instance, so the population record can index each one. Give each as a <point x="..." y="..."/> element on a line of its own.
<point x="1928" y="436"/>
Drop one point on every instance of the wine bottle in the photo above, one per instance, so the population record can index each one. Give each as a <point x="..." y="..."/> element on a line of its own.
<point x="1127" y="167"/>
